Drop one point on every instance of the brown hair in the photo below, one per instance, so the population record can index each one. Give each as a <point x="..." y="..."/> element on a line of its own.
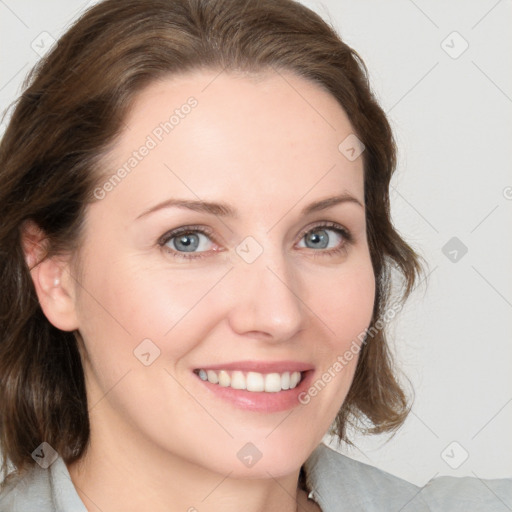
<point x="69" y="115"/>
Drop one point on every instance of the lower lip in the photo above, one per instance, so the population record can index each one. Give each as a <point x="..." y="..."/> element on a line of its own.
<point x="261" y="401"/>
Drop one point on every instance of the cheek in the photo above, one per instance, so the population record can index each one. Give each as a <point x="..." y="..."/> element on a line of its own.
<point x="122" y="304"/>
<point x="138" y="324"/>
<point x="345" y="304"/>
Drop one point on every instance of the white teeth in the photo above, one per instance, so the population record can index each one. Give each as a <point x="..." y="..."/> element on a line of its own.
<point x="224" y="379"/>
<point x="252" y="381"/>
<point x="285" y="380"/>
<point x="255" y="381"/>
<point x="238" y="380"/>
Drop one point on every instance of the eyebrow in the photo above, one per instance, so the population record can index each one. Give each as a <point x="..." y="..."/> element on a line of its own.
<point x="225" y="210"/>
<point x="328" y="202"/>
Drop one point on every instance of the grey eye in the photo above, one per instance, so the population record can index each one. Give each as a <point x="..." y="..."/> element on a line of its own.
<point x="188" y="242"/>
<point x="321" y="238"/>
<point x="316" y="239"/>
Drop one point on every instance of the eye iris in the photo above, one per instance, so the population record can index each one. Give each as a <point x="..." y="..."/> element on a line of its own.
<point x="318" y="236"/>
<point x="189" y="242"/>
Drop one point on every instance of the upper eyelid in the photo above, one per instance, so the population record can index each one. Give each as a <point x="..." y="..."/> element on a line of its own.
<point x="328" y="224"/>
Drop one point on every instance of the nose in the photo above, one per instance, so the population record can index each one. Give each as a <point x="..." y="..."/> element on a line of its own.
<point x="266" y="298"/>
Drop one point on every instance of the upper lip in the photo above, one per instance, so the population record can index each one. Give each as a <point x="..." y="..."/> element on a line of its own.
<point x="261" y="366"/>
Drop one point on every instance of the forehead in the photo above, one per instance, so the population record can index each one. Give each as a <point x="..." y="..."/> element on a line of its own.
<point x="264" y="138"/>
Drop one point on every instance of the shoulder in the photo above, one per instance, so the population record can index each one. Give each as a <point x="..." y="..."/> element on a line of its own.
<point x="44" y="490"/>
<point x="469" y="493"/>
<point x="30" y="489"/>
<point x="340" y="483"/>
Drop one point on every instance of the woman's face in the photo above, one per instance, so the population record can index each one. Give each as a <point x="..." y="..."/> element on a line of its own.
<point x="164" y="289"/>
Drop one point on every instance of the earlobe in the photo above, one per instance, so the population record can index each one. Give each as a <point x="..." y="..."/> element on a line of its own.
<point x="53" y="282"/>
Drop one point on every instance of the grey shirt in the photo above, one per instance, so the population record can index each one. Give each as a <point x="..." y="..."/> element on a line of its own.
<point x="337" y="484"/>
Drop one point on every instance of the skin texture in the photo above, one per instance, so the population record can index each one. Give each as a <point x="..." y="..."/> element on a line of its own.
<point x="268" y="146"/>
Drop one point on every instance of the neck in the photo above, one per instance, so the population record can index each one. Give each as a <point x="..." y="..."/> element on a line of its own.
<point x="149" y="478"/>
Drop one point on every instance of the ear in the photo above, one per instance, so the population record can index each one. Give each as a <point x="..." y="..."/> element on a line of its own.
<point x="52" y="278"/>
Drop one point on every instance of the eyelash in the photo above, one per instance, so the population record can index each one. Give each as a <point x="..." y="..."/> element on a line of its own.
<point x="186" y="230"/>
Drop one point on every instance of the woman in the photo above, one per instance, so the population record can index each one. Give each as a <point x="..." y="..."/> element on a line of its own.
<point x="196" y="260"/>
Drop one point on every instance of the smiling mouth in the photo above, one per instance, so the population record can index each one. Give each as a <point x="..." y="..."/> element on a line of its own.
<point x="252" y="381"/>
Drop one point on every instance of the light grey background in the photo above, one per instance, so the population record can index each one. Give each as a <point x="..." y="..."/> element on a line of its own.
<point x="451" y="111"/>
